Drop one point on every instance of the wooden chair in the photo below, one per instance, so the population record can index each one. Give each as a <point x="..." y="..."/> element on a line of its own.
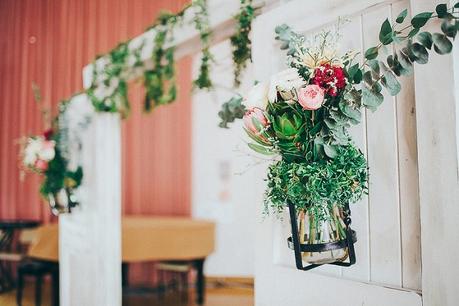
<point x="38" y="270"/>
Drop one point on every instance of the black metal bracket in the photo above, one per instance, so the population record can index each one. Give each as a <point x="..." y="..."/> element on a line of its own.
<point x="294" y="242"/>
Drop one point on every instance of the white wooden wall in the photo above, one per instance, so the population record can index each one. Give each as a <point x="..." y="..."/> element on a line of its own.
<point x="387" y="221"/>
<point x="223" y="171"/>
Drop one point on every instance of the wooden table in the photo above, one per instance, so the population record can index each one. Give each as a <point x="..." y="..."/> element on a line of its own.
<point x="147" y="239"/>
<point x="8" y="229"/>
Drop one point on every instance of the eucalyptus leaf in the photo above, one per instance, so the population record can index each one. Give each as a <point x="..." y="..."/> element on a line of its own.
<point x="421" y="19"/>
<point x="441" y="10"/>
<point x="405" y="63"/>
<point x="390" y="81"/>
<point x="425" y="38"/>
<point x="375" y="71"/>
<point x="385" y="34"/>
<point x="371" y="99"/>
<point x="422" y="56"/>
<point x="448" y="28"/>
<point x="371" y="53"/>
<point x="442" y="44"/>
<point x="413" y="32"/>
<point x="401" y="17"/>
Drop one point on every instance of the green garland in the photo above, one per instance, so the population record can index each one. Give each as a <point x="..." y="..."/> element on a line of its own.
<point x="201" y="23"/>
<point x="240" y="41"/>
<point x="160" y="82"/>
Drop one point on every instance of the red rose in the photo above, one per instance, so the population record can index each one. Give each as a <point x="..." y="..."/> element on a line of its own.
<point x="330" y="78"/>
<point x="48" y="134"/>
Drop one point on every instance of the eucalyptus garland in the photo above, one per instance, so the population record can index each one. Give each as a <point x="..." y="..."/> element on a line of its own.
<point x="240" y="41"/>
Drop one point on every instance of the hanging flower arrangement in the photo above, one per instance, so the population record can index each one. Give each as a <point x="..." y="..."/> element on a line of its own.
<point x="302" y="115"/>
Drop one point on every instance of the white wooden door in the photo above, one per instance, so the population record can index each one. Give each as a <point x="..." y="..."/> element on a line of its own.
<point x="388" y="269"/>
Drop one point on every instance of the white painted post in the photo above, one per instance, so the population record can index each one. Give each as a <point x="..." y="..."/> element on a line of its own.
<point x="90" y="237"/>
<point x="437" y="135"/>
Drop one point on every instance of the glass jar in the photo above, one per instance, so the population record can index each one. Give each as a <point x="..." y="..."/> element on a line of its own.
<point x="62" y="201"/>
<point x="330" y="229"/>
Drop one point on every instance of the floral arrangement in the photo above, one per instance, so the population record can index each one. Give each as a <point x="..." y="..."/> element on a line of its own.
<point x="302" y="115"/>
<point x="42" y="154"/>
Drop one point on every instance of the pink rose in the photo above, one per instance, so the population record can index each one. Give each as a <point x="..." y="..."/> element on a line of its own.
<point x="41" y="165"/>
<point x="311" y="97"/>
<point x="255" y="114"/>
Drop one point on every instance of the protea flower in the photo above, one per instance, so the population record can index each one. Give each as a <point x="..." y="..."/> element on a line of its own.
<point x="256" y="125"/>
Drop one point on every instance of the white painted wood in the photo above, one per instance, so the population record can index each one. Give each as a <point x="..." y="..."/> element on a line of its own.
<point x="387" y="222"/>
<point x="222" y="171"/>
<point x="384" y="204"/>
<point x="437" y="134"/>
<point x="90" y="237"/>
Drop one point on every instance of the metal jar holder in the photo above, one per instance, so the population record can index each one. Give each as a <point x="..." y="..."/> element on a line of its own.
<point x="348" y="242"/>
<point x="63" y="201"/>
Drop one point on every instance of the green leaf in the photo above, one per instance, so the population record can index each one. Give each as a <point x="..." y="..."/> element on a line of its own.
<point x="358" y="77"/>
<point x="385" y="34"/>
<point x="421" y="19"/>
<point x="456" y="5"/>
<point x="405" y="62"/>
<point x="330" y="151"/>
<point x="371" y="53"/>
<point x="442" y="45"/>
<point x="413" y="32"/>
<point x="260" y="149"/>
<point x="401" y="17"/>
<point x="350" y="112"/>
<point x="448" y="28"/>
<point x="422" y="56"/>
<point x="425" y="38"/>
<point x="441" y="10"/>
<point x="371" y="99"/>
<point x="367" y="78"/>
<point x="374" y="65"/>
<point x="390" y="81"/>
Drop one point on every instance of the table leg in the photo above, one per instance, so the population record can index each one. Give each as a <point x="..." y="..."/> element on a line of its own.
<point x="125" y="275"/>
<point x="6" y="279"/>
<point x="200" y="281"/>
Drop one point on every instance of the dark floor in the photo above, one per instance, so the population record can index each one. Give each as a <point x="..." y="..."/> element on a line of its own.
<point x="217" y="296"/>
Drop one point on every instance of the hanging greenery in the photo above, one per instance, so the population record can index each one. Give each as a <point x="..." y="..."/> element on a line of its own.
<point x="201" y="23"/>
<point x="160" y="82"/>
<point x="303" y="114"/>
<point x="240" y="41"/>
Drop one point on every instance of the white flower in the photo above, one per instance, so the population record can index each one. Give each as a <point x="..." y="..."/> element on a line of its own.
<point x="31" y="150"/>
<point x="47" y="151"/>
<point x="284" y="81"/>
<point x="257" y="96"/>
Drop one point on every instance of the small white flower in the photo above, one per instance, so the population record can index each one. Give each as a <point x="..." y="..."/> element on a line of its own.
<point x="47" y="151"/>
<point x="284" y="81"/>
<point x="257" y="96"/>
<point x="31" y="150"/>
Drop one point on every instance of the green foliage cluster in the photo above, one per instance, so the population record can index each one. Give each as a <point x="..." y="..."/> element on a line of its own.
<point x="110" y="76"/>
<point x="58" y="177"/>
<point x="317" y="186"/>
<point x="201" y="23"/>
<point x="159" y="82"/>
<point x="240" y="41"/>
<point x="231" y="110"/>
<point x="411" y="45"/>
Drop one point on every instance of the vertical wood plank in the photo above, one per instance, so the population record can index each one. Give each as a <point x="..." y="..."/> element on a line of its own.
<point x="385" y="250"/>
<point x="410" y="229"/>
<point x="352" y="40"/>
